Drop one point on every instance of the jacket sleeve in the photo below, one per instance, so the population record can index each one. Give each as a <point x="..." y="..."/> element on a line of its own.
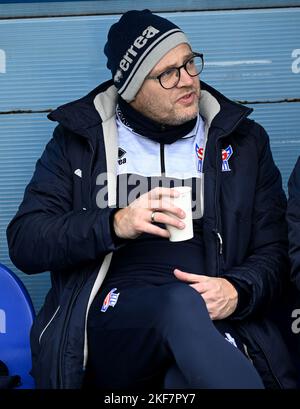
<point x="47" y="233"/>
<point x="264" y="273"/>
<point x="293" y="219"/>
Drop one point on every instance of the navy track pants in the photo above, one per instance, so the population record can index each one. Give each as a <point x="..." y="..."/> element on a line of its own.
<point x="161" y="336"/>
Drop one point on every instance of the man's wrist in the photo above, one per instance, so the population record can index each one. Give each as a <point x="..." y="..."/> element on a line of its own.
<point x="113" y="226"/>
<point x="233" y="294"/>
<point x="244" y="295"/>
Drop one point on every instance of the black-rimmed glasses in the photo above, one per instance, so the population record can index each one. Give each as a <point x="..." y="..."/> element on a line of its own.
<point x="170" y="78"/>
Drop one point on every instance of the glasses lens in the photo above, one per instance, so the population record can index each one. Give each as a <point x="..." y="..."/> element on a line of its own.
<point x="169" y="78"/>
<point x="194" y="66"/>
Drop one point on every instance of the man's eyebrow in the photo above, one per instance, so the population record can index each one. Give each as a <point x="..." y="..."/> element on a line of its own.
<point x="187" y="56"/>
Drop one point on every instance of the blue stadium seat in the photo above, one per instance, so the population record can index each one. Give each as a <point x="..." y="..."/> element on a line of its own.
<point x="16" y="317"/>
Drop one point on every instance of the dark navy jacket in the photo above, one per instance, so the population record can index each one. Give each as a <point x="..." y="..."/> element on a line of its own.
<point x="58" y="228"/>
<point x="293" y="218"/>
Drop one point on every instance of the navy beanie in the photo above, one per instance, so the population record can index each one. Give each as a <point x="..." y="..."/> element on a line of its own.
<point x="135" y="44"/>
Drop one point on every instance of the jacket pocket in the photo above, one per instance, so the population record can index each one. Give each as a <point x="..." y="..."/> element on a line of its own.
<point x="48" y="324"/>
<point x="269" y="354"/>
<point x="44" y="339"/>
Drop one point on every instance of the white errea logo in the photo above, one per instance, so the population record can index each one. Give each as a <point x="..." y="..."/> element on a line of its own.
<point x="131" y="53"/>
<point x="78" y="172"/>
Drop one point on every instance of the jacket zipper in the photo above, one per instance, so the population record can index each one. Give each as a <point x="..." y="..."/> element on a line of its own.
<point x="220" y="242"/>
<point x="87" y="193"/>
<point x="63" y="338"/>
<point x="49" y="322"/>
<point x="267" y="360"/>
<point x="219" y="247"/>
<point x="162" y="159"/>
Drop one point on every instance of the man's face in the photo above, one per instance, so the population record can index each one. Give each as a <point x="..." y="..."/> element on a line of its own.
<point x="173" y="106"/>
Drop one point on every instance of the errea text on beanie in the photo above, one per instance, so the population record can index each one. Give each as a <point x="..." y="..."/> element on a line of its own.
<point x="135" y="44"/>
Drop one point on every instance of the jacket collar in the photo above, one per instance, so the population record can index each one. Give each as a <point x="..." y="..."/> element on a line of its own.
<point x="220" y="112"/>
<point x="82" y="115"/>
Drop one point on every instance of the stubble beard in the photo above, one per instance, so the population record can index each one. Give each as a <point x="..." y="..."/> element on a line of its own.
<point x="181" y="118"/>
<point x="173" y="118"/>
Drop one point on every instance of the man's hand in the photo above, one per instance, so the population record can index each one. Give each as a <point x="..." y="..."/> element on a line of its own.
<point x="219" y="294"/>
<point x="135" y="219"/>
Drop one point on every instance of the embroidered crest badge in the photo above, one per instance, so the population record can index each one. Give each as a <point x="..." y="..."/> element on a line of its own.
<point x="110" y="300"/>
<point x="200" y="155"/>
<point x="226" y="155"/>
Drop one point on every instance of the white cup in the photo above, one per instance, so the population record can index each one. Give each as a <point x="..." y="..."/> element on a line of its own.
<point x="184" y="202"/>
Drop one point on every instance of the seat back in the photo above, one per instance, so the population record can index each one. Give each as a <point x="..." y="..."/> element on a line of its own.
<point x="16" y="317"/>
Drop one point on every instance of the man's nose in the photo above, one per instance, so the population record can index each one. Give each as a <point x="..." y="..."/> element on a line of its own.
<point x="185" y="78"/>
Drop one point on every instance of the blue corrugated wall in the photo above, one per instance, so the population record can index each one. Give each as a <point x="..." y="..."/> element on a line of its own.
<point x="252" y="56"/>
